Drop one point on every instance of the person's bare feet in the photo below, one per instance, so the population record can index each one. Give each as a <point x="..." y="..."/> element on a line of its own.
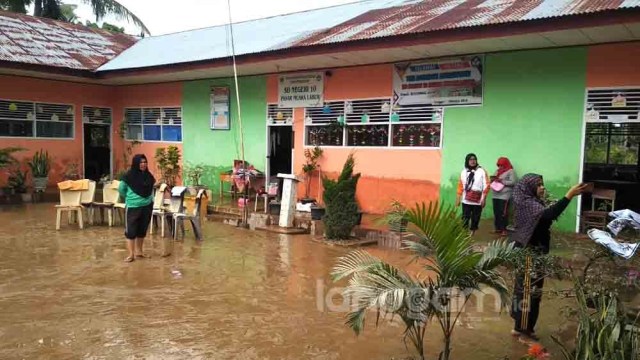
<point x="129" y="259"/>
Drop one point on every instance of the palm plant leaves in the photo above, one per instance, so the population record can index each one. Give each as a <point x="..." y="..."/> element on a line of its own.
<point x="449" y="252"/>
<point x="18" y="6"/>
<point x="52" y="9"/>
<point x="101" y="8"/>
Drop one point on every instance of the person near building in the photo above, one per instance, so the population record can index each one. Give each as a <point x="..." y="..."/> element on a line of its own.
<point x="473" y="188"/>
<point x="136" y="188"/>
<point x="501" y="188"/>
<point x="533" y="220"/>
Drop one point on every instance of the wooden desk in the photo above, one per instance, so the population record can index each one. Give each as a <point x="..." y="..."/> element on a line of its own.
<point x="227" y="178"/>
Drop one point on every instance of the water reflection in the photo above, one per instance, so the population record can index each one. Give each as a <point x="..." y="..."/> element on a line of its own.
<point x="239" y="295"/>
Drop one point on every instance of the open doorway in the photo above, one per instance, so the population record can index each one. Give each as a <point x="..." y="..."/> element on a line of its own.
<point x="612" y="150"/>
<point x="280" y="151"/>
<point x="97" y="151"/>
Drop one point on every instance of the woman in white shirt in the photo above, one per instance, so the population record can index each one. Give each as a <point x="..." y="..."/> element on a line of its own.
<point x="473" y="187"/>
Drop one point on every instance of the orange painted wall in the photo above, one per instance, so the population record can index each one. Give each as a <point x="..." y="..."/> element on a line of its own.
<point x="408" y="175"/>
<point x="613" y="65"/>
<point x="168" y="94"/>
<point x="117" y="98"/>
<point x="62" y="151"/>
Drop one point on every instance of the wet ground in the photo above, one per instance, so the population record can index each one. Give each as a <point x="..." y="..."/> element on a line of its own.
<point x="238" y="295"/>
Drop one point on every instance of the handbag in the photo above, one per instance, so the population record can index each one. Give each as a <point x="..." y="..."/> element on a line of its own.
<point x="497" y="186"/>
<point x="473" y="196"/>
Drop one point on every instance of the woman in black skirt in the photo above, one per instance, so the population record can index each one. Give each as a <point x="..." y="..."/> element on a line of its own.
<point x="533" y="222"/>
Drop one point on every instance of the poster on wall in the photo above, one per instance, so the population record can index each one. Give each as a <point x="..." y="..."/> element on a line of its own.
<point x="301" y="90"/>
<point x="441" y="82"/>
<point x="220" y="119"/>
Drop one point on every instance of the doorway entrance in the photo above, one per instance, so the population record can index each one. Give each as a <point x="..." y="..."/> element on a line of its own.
<point x="280" y="150"/>
<point x="97" y="151"/>
<point x="612" y="151"/>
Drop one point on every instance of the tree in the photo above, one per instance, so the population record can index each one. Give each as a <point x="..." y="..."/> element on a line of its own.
<point x="447" y="251"/>
<point x="55" y="9"/>
<point x="340" y="199"/>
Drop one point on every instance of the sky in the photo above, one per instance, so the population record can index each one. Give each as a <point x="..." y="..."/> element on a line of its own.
<point x="166" y="16"/>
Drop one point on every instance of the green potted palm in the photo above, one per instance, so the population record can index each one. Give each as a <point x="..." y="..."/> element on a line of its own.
<point x="7" y="159"/>
<point x="18" y="182"/>
<point x="40" y="165"/>
<point x="311" y="165"/>
<point x="448" y="252"/>
<point x="396" y="217"/>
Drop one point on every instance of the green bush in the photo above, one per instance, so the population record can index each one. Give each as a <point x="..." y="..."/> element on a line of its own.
<point x="340" y="201"/>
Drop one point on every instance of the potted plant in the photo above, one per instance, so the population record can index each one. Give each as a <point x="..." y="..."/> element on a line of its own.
<point x="72" y="171"/>
<point x="340" y="199"/>
<point x="312" y="156"/>
<point x="168" y="160"/>
<point x="40" y="165"/>
<point x="317" y="212"/>
<point x="18" y="182"/>
<point x="194" y="174"/>
<point x="6" y="159"/>
<point x="397" y="217"/>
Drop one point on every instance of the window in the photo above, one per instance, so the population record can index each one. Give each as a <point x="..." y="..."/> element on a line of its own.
<point x="279" y="116"/>
<point x="98" y="115"/>
<point x="154" y="124"/>
<point x="613" y="126"/>
<point x="324" y="124"/>
<point x="417" y="125"/>
<point x="612" y="144"/>
<point x="373" y="123"/>
<point x="41" y="120"/>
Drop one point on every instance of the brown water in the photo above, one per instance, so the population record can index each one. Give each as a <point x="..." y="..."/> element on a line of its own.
<point x="238" y="295"/>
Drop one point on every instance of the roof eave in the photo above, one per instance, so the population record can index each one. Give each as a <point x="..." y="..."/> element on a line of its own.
<point x="477" y="32"/>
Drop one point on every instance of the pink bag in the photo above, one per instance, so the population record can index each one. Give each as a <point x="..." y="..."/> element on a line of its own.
<point x="497" y="186"/>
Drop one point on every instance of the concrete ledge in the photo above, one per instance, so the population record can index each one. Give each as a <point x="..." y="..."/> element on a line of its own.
<point x="280" y="230"/>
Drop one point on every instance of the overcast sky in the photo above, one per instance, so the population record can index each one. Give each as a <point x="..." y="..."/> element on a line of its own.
<point x="168" y="16"/>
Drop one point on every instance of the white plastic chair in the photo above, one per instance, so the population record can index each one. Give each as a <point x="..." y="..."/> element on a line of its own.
<point x="271" y="193"/>
<point x="87" y="199"/>
<point x="194" y="219"/>
<point x="70" y="201"/>
<point x="119" y="207"/>
<point x="158" y="214"/>
<point x="110" y="196"/>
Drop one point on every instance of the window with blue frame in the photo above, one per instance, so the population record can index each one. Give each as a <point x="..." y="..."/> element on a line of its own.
<point x="154" y="124"/>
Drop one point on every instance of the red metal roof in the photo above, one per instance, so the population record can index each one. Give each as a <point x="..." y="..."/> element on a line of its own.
<point x="32" y="40"/>
<point x="421" y="16"/>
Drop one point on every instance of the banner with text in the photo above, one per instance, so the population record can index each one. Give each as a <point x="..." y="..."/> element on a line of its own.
<point x="301" y="90"/>
<point x="452" y="81"/>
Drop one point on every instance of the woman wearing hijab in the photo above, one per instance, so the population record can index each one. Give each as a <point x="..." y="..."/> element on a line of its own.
<point x="136" y="188"/>
<point x="473" y="188"/>
<point x="502" y="187"/>
<point x="533" y="222"/>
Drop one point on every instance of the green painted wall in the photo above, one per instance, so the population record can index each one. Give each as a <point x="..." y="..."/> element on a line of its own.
<point x="216" y="149"/>
<point x="532" y="113"/>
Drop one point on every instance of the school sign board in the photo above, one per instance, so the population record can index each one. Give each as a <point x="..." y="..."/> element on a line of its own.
<point x="301" y="90"/>
<point x="442" y="82"/>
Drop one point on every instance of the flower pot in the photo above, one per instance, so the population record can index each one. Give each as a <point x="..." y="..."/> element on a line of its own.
<point x="274" y="208"/>
<point x="317" y="213"/>
<point x="40" y="183"/>
<point x="26" y="197"/>
<point x="399" y="226"/>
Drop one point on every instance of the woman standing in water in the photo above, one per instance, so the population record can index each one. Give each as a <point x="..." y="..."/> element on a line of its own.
<point x="136" y="188"/>
<point x="473" y="187"/>
<point x="533" y="222"/>
<point x="502" y="188"/>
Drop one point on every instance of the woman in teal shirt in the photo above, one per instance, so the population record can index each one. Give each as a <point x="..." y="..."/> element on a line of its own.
<point x="136" y="188"/>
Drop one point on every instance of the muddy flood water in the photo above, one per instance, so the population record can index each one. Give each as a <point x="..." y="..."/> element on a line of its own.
<point x="238" y="295"/>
